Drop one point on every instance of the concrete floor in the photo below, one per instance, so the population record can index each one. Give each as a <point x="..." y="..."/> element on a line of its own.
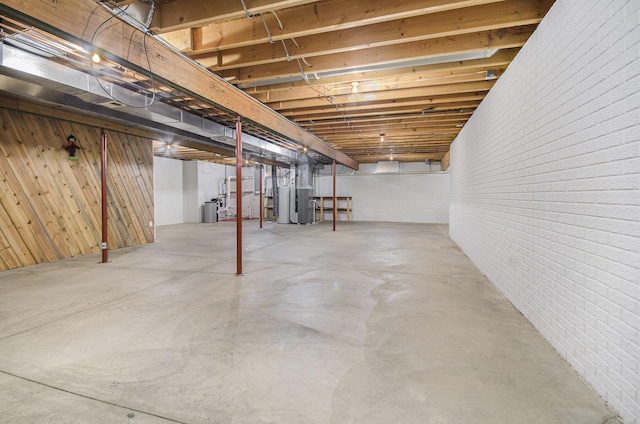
<point x="375" y="323"/>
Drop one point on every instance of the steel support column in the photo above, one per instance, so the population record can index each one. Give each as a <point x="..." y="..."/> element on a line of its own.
<point x="335" y="200"/>
<point x="261" y="197"/>
<point x="103" y="171"/>
<point x="238" y="196"/>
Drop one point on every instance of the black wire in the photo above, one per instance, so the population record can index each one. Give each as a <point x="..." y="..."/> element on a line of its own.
<point x="146" y="53"/>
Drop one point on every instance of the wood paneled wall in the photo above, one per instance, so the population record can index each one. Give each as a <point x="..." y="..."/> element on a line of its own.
<point x="50" y="206"/>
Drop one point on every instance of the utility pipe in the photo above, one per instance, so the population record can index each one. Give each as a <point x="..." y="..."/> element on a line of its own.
<point x="335" y="202"/>
<point x="103" y="170"/>
<point x="238" y="196"/>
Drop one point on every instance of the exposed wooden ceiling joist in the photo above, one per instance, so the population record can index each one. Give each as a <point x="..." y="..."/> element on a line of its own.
<point x="419" y="68"/>
<point x="493" y="16"/>
<point x="175" y="15"/>
<point x="122" y="43"/>
<point x="382" y="56"/>
<point x="315" y="18"/>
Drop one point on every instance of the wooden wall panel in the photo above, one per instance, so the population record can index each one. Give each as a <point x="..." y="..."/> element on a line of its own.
<point x="50" y="206"/>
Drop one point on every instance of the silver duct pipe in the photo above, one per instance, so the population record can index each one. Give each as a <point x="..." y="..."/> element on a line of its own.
<point x="26" y="74"/>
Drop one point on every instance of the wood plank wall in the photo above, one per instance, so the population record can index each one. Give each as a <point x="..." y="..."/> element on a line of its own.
<point x="50" y="206"/>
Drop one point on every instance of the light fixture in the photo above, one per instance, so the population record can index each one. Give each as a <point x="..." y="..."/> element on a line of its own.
<point x="391" y="156"/>
<point x="382" y="137"/>
<point x="490" y="74"/>
<point x="169" y="146"/>
<point x="354" y="87"/>
<point x="95" y="57"/>
<point x="305" y="149"/>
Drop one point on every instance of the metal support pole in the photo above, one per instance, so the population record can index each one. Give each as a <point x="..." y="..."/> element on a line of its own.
<point x="335" y="200"/>
<point x="238" y="196"/>
<point x="274" y="188"/>
<point x="261" y="198"/>
<point x="103" y="167"/>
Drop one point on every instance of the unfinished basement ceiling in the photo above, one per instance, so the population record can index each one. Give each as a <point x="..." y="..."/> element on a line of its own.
<point x="139" y="80"/>
<point x="375" y="79"/>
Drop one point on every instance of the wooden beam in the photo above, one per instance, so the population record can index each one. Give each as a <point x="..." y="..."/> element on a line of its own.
<point x="373" y="87"/>
<point x="498" y="61"/>
<point x="445" y="162"/>
<point x="424" y="103"/>
<point x="397" y="96"/>
<point x="402" y="157"/>
<point x="506" y="14"/>
<point x="384" y="123"/>
<point x="374" y="133"/>
<point x="385" y="56"/>
<point x="396" y="137"/>
<point x="409" y="117"/>
<point x="176" y="15"/>
<point x="330" y="15"/>
<point x="382" y="127"/>
<point x="305" y="117"/>
<point x="413" y="141"/>
<point x="130" y="47"/>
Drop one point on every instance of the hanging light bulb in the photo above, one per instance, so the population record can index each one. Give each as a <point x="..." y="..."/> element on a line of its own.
<point x="354" y="87"/>
<point x="95" y="57"/>
<point x="382" y="138"/>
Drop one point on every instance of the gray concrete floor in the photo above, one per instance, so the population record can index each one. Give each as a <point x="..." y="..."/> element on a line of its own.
<point x="375" y="323"/>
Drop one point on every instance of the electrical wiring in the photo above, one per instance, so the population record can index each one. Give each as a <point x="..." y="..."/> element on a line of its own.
<point x="120" y="13"/>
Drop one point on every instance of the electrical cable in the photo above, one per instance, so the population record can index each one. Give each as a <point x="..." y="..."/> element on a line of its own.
<point x="146" y="52"/>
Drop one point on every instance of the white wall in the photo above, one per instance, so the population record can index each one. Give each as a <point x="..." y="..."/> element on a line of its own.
<point x="182" y="187"/>
<point x="191" y="207"/>
<point x="168" y="199"/>
<point x="209" y="175"/>
<point x="411" y="195"/>
<point x="545" y="190"/>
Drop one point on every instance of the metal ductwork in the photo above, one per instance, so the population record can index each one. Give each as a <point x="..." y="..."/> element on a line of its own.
<point x="26" y="72"/>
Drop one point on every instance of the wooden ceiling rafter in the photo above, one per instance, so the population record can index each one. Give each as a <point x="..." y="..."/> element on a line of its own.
<point x="315" y="18"/>
<point x="385" y="56"/>
<point x="132" y="48"/>
<point x="498" y="60"/>
<point x="419" y="68"/>
<point x="493" y="16"/>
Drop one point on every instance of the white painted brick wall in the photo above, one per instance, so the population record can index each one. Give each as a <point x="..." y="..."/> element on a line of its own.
<point x="545" y="190"/>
